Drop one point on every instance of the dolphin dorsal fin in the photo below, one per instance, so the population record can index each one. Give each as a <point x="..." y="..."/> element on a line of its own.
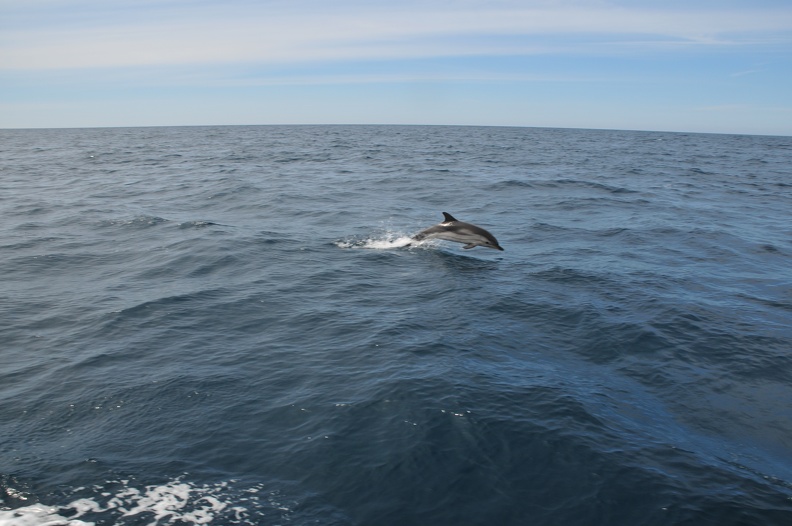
<point x="448" y="217"/>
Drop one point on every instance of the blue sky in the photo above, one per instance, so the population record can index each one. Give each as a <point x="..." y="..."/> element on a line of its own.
<point x="698" y="65"/>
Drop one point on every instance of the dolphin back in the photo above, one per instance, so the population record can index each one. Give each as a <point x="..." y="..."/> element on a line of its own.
<point x="437" y="229"/>
<point x="451" y="229"/>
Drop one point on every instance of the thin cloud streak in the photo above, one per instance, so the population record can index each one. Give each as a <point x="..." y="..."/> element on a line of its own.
<point x="255" y="35"/>
<point x="388" y="78"/>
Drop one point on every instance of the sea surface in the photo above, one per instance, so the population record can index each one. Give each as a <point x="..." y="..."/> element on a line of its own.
<point x="225" y="325"/>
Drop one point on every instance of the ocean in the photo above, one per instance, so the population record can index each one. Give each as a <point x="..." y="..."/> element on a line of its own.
<point x="226" y="325"/>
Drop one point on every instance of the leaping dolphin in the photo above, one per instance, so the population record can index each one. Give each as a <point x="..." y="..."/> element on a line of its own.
<point x="453" y="230"/>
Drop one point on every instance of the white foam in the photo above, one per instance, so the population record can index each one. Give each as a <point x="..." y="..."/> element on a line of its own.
<point x="38" y="515"/>
<point x="176" y="502"/>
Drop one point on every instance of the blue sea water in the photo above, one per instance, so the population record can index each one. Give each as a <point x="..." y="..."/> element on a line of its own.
<point x="223" y="325"/>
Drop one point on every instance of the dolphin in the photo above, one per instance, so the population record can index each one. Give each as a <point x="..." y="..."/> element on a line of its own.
<point x="453" y="230"/>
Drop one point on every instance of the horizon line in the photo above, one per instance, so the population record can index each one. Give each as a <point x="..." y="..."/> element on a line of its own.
<point x="305" y="124"/>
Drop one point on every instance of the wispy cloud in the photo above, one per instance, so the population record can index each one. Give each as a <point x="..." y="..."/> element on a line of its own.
<point x="591" y="63"/>
<point x="745" y="73"/>
<point x="101" y="35"/>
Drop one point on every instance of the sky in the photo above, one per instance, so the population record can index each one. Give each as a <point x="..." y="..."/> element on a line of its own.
<point x="722" y="66"/>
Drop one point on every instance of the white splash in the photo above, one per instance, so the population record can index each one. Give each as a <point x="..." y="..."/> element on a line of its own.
<point x="176" y="502"/>
<point x="387" y="241"/>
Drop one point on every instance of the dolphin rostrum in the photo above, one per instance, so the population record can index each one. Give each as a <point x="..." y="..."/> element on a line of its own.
<point x="452" y="230"/>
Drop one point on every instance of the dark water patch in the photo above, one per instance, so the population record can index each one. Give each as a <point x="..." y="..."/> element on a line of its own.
<point x="570" y="184"/>
<point x="196" y="224"/>
<point x="699" y="171"/>
<point x="513" y="183"/>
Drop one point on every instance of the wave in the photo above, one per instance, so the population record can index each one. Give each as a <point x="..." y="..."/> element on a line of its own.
<point x="147" y="221"/>
<point x="142" y="221"/>
<point x="561" y="183"/>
